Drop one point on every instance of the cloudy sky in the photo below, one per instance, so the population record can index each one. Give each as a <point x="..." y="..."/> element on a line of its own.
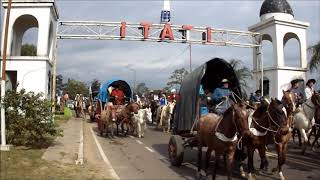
<point x="153" y="62"/>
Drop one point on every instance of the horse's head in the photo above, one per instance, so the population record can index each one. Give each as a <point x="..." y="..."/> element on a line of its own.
<point x="288" y="101"/>
<point x="315" y="98"/>
<point x="240" y="118"/>
<point x="133" y="108"/>
<point x="277" y="113"/>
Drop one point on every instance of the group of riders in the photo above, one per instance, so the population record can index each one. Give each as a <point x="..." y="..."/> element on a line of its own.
<point x="222" y="97"/>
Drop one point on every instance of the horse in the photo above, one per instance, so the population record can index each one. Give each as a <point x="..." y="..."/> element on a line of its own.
<point x="140" y="120"/>
<point x="288" y="100"/>
<point x="166" y="115"/>
<point x="316" y="128"/>
<point x="106" y="119"/>
<point x="154" y="106"/>
<point x="123" y="116"/>
<point x="158" y="115"/>
<point x="302" y="119"/>
<point x="91" y="111"/>
<point x="221" y="135"/>
<point x="262" y="122"/>
<point x="79" y="106"/>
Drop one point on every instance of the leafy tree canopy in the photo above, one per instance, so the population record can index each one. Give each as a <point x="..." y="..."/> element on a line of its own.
<point x="28" y="50"/>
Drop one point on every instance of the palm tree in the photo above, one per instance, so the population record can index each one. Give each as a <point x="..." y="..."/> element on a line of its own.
<point x="315" y="58"/>
<point x="243" y="73"/>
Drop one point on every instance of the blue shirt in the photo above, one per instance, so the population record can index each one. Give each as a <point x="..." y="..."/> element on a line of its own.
<point x="163" y="101"/>
<point x="219" y="93"/>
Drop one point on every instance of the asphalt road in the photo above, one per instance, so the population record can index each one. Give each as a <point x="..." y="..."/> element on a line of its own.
<point x="147" y="158"/>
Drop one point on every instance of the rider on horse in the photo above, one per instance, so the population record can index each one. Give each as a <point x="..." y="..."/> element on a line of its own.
<point x="296" y="91"/>
<point x="221" y="95"/>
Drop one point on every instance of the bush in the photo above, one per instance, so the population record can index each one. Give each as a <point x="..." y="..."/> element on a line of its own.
<point x="67" y="113"/>
<point x="29" y="120"/>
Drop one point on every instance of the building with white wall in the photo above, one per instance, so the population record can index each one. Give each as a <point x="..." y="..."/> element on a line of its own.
<point x="277" y="25"/>
<point x="33" y="73"/>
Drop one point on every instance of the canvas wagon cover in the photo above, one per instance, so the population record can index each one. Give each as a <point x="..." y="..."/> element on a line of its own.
<point x="123" y="85"/>
<point x="209" y="75"/>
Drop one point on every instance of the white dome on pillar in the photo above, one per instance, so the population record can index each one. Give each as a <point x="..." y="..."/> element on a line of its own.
<point x="277" y="25"/>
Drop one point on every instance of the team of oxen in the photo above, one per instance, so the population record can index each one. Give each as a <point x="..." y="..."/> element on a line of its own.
<point x="240" y="127"/>
<point x="131" y="118"/>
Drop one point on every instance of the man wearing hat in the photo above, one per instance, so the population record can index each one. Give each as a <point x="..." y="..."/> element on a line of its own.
<point x="295" y="89"/>
<point x="309" y="88"/>
<point x="257" y="97"/>
<point x="220" y="96"/>
<point x="222" y="92"/>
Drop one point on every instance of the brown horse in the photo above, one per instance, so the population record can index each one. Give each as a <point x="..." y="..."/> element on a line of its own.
<point x="267" y="119"/>
<point x="316" y="128"/>
<point x="124" y="117"/>
<point x="220" y="134"/>
<point x="106" y="119"/>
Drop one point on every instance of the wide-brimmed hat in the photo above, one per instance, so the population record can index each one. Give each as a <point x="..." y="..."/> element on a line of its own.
<point x="225" y="81"/>
<point x="258" y="91"/>
<point x="295" y="81"/>
<point x="311" y="80"/>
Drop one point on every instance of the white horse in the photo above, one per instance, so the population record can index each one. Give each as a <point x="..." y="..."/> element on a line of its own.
<point x="166" y="115"/>
<point x="303" y="120"/>
<point x="140" y="120"/>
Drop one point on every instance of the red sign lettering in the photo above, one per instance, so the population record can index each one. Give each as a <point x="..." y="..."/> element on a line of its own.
<point x="187" y="27"/>
<point x="123" y="29"/>
<point x="167" y="32"/>
<point x="208" y="34"/>
<point x="146" y="27"/>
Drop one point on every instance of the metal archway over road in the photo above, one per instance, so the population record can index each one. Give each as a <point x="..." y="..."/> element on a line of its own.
<point x="144" y="31"/>
<point x="166" y="32"/>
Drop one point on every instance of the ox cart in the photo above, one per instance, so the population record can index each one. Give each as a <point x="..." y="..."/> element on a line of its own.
<point x="209" y="75"/>
<point x="105" y="97"/>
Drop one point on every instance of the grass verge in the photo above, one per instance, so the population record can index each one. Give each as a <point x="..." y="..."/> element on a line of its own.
<point x="64" y="116"/>
<point x="23" y="163"/>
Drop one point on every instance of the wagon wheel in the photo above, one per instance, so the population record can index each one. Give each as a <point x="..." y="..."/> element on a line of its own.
<point x="176" y="150"/>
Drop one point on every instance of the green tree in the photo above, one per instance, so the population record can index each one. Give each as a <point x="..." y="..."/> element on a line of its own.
<point x="177" y="77"/>
<point x="74" y="87"/>
<point x="243" y="73"/>
<point x="141" y="89"/>
<point x="95" y="85"/>
<point x="28" y="50"/>
<point x="315" y="57"/>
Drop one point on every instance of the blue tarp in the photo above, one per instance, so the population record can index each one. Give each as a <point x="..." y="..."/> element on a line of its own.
<point x="123" y="85"/>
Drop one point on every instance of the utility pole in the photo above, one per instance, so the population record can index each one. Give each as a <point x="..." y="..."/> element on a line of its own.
<point x="190" y="56"/>
<point x="4" y="146"/>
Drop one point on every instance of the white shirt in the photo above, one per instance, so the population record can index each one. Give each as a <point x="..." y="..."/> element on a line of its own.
<point x="309" y="92"/>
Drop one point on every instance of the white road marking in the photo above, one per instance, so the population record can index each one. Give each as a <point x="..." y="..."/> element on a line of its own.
<point x="104" y="157"/>
<point x="139" y="142"/>
<point x="149" y="149"/>
<point x="131" y="137"/>
<point x="80" y="151"/>
<point x="310" y="164"/>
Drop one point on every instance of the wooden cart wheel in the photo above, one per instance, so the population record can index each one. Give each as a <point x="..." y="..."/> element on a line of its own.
<point x="176" y="150"/>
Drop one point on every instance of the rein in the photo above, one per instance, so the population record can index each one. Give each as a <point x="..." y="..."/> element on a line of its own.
<point x="270" y="117"/>
<point x="221" y="136"/>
